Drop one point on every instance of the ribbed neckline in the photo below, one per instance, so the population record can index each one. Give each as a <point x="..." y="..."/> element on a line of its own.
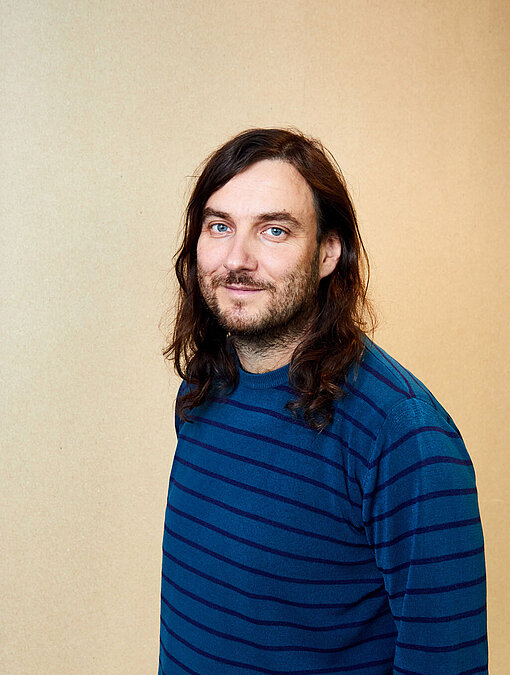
<point x="264" y="380"/>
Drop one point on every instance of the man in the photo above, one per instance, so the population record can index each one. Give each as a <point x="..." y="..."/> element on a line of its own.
<point x="322" y="511"/>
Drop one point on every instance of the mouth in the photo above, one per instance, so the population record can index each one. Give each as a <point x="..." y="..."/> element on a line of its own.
<point x="242" y="290"/>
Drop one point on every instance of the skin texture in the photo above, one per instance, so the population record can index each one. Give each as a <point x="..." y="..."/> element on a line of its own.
<point x="259" y="263"/>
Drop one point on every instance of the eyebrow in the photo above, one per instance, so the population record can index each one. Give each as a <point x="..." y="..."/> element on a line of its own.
<point x="280" y="217"/>
<point x="212" y="213"/>
<point x="271" y="216"/>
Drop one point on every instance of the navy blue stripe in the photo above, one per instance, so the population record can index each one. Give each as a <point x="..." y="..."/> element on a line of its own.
<point x="266" y="493"/>
<point x="176" y="661"/>
<point x="347" y="386"/>
<point x="405" y="671"/>
<point x="411" y="434"/>
<point x="448" y="648"/>
<point x="426" y="392"/>
<point x="364" y="397"/>
<point x="253" y="516"/>
<point x="439" y="459"/>
<point x="343" y="443"/>
<point x="480" y="669"/>
<point x="471" y="671"/>
<point x="381" y="377"/>
<point x="264" y="438"/>
<point x="421" y="498"/>
<point x="337" y="669"/>
<point x="376" y="593"/>
<point x="355" y="422"/>
<point x="260" y="669"/>
<point x="289" y="446"/>
<point x="291" y="419"/>
<point x="271" y="648"/>
<point x="411" y="375"/>
<point x="286" y="388"/>
<point x="433" y="559"/>
<point x="268" y="549"/>
<point x="394" y="367"/>
<point x="295" y="580"/>
<point x="267" y="622"/>
<point x="437" y="589"/>
<point x="273" y="468"/>
<point x="439" y="619"/>
<point x="429" y="528"/>
<point x="336" y="437"/>
<point x="288" y="418"/>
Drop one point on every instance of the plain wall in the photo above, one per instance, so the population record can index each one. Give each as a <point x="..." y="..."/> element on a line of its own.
<point x="107" y="107"/>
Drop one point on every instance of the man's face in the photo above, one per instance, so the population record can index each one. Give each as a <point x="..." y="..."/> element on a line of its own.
<point x="259" y="264"/>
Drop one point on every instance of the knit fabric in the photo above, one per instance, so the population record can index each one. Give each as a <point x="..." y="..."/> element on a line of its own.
<point x="355" y="550"/>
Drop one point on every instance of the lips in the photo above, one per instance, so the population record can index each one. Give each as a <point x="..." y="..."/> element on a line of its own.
<point x="242" y="291"/>
<point x="232" y="287"/>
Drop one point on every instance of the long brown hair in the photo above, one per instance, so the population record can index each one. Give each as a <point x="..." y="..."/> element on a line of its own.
<point x="200" y="348"/>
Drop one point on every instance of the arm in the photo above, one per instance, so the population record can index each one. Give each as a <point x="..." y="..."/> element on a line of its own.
<point x="177" y="420"/>
<point x="421" y="516"/>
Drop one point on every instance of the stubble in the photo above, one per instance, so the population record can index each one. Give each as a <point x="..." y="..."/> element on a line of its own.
<point x="286" y="314"/>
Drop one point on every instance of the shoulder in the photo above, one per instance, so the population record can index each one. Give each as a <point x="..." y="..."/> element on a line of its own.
<point x="386" y="400"/>
<point x="412" y="433"/>
<point x="382" y="382"/>
<point x="184" y="388"/>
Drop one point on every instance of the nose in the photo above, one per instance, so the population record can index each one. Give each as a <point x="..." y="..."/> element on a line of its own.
<point x="240" y="255"/>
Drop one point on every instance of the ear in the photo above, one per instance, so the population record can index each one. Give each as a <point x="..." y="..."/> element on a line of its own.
<point x="329" y="251"/>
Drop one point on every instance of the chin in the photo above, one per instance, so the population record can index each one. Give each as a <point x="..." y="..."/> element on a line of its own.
<point x="240" y="326"/>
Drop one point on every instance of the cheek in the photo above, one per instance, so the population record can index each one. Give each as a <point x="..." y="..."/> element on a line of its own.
<point x="282" y="261"/>
<point x="208" y="256"/>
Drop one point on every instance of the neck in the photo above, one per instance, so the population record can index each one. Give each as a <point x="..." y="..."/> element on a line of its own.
<point x="261" y="353"/>
<point x="257" y="358"/>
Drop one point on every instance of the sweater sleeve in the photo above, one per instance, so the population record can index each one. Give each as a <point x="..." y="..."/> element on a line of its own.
<point x="177" y="419"/>
<point x="421" y="517"/>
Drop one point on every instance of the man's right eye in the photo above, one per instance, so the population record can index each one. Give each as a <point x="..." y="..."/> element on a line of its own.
<point x="220" y="228"/>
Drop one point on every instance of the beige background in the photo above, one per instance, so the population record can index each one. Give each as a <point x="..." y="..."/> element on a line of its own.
<point x="107" y="108"/>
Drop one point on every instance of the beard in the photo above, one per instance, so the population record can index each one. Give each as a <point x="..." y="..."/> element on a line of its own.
<point x="287" y="311"/>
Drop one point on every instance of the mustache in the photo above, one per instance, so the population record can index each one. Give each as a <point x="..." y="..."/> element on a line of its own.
<point x="241" y="279"/>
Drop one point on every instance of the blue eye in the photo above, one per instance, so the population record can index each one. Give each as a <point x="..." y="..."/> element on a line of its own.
<point x="276" y="231"/>
<point x="220" y="227"/>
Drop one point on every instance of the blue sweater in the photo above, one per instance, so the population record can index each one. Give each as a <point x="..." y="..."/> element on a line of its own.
<point x="355" y="550"/>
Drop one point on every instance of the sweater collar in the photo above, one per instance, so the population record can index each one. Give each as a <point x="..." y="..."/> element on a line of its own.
<point x="263" y="380"/>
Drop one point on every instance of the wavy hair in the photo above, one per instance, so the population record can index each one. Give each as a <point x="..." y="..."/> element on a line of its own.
<point x="200" y="348"/>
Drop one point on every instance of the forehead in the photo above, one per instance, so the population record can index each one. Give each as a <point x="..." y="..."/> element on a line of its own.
<point x="264" y="187"/>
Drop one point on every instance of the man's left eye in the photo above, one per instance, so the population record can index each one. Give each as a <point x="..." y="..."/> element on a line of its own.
<point x="276" y="231"/>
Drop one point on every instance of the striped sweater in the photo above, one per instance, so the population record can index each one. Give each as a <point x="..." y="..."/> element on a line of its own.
<point x="355" y="550"/>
